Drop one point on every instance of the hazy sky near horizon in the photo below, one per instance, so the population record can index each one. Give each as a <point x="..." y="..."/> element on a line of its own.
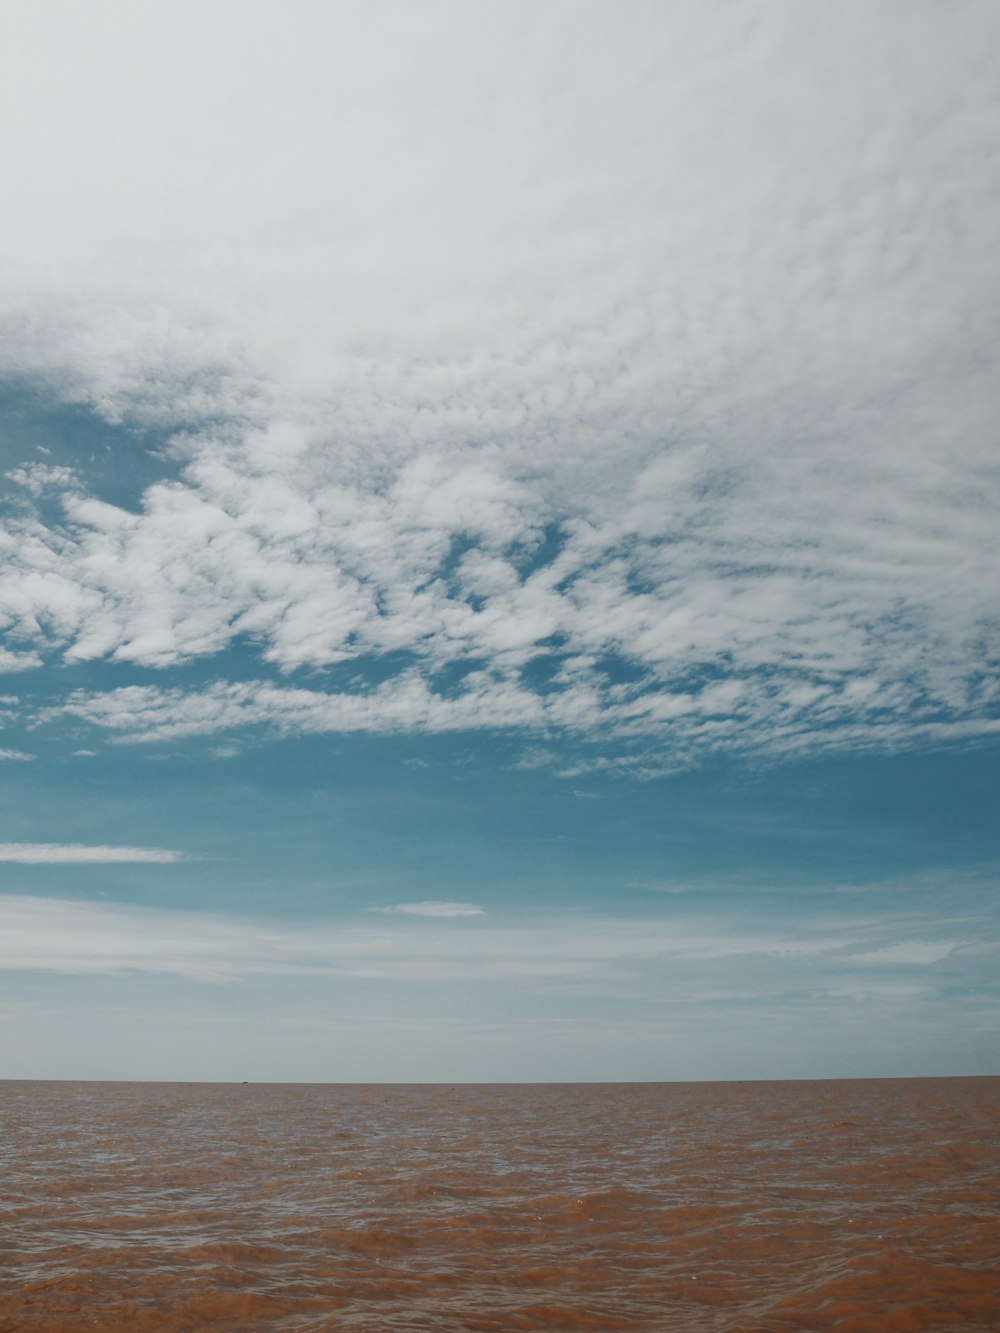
<point x="498" y="539"/>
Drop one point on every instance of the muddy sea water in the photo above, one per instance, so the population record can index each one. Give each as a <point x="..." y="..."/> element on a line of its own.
<point x="851" y="1206"/>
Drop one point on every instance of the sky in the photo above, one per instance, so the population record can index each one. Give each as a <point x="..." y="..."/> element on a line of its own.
<point x="499" y="555"/>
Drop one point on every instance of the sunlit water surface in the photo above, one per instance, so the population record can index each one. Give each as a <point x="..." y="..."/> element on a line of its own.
<point x="852" y="1206"/>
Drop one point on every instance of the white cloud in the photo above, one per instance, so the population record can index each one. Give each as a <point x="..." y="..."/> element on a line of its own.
<point x="14" y="661"/>
<point x="68" y="853"/>
<point x="703" y="291"/>
<point x="910" y="953"/>
<point x="18" y="756"/>
<point x="38" y="477"/>
<point x="677" y="957"/>
<point x="431" y="908"/>
<point x="643" y="732"/>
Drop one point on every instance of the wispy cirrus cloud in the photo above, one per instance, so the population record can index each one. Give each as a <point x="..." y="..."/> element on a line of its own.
<point x="68" y="853"/>
<point x="431" y="908"/>
<point x="681" y="956"/>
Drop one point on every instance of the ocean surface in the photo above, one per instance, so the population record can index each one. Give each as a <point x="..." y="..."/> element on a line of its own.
<point x="852" y="1206"/>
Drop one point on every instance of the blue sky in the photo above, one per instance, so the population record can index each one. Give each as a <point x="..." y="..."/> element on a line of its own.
<point x="498" y="543"/>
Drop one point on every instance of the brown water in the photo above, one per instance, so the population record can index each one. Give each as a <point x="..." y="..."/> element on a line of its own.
<point x="850" y="1206"/>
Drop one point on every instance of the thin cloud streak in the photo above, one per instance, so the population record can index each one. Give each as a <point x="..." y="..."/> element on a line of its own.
<point x="432" y="909"/>
<point x="66" y="853"/>
<point x="667" y="957"/>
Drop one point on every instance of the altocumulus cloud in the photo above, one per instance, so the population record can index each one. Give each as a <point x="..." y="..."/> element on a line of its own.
<point x="639" y="388"/>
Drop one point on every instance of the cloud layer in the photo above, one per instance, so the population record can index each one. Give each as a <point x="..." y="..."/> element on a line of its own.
<point x="687" y="957"/>
<point x="110" y="990"/>
<point x="591" y="372"/>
